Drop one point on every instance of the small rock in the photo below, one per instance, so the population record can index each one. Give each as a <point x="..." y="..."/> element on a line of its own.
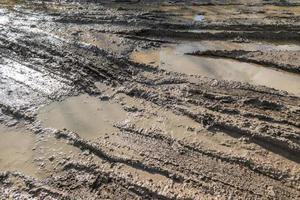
<point x="86" y="152"/>
<point x="190" y="129"/>
<point x="104" y="98"/>
<point x="51" y="158"/>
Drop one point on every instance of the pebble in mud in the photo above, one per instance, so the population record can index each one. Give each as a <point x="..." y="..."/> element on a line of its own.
<point x="51" y="158"/>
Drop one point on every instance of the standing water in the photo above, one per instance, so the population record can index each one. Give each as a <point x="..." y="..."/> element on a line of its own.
<point x="199" y="18"/>
<point x="174" y="59"/>
<point x="86" y="115"/>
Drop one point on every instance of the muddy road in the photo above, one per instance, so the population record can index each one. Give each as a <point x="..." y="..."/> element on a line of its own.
<point x="149" y="99"/>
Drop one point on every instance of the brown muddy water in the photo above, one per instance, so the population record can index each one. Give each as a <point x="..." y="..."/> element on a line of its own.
<point x="174" y="59"/>
<point x="16" y="150"/>
<point x="23" y="151"/>
<point x="86" y="115"/>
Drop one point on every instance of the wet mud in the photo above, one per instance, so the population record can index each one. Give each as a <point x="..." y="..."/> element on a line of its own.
<point x="149" y="99"/>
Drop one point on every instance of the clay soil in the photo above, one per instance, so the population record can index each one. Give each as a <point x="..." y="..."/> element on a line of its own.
<point x="87" y="112"/>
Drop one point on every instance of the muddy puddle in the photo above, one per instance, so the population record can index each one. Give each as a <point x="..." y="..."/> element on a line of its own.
<point x="88" y="116"/>
<point x="221" y="13"/>
<point x="37" y="156"/>
<point x="174" y="59"/>
<point x="16" y="150"/>
<point x="199" y="18"/>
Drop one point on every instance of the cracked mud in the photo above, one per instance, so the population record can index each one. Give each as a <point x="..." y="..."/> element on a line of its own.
<point x="149" y="99"/>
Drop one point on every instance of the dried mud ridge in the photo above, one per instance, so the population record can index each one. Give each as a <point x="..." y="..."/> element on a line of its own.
<point x="246" y="142"/>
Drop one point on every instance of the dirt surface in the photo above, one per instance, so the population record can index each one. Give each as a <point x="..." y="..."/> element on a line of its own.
<point x="95" y="103"/>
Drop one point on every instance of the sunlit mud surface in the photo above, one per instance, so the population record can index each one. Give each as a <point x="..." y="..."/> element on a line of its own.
<point x="149" y="99"/>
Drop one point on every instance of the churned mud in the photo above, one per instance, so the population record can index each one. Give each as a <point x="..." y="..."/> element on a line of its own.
<point x="149" y="99"/>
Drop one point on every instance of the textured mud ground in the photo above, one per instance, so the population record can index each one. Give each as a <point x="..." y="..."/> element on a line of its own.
<point x="86" y="115"/>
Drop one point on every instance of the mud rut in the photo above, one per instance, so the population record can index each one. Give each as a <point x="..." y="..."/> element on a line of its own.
<point x="246" y="141"/>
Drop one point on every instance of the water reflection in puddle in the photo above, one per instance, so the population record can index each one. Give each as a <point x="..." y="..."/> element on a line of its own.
<point x="85" y="115"/>
<point x="199" y="18"/>
<point x="173" y="59"/>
